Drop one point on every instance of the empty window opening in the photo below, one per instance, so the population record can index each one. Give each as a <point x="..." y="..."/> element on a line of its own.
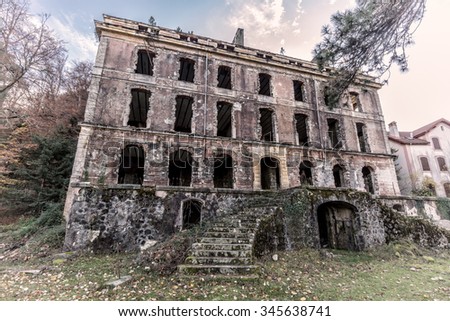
<point x="266" y="123"/>
<point x="306" y="173"/>
<point x="187" y="70"/>
<point x="442" y="165"/>
<point x="183" y="114"/>
<point x="338" y="175"/>
<point x="361" y="131"/>
<point x="224" y="77"/>
<point x="224" y="120"/>
<point x="302" y="129"/>
<point x="180" y="168"/>
<point x="270" y="173"/>
<point x="264" y="85"/>
<point x="355" y="102"/>
<point x="333" y="133"/>
<point x="436" y="143"/>
<point x="368" y="179"/>
<point x="145" y="62"/>
<point x="192" y="213"/>
<point x="131" y="168"/>
<point x="299" y="90"/>
<point x="425" y="164"/>
<point x="335" y="220"/>
<point x="140" y="103"/>
<point x="223" y="172"/>
<point x="447" y="189"/>
<point x="327" y="96"/>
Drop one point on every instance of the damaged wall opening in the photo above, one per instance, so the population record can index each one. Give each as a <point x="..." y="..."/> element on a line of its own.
<point x="361" y="131"/>
<point x="224" y="77"/>
<point x="183" y="114"/>
<point x="223" y="171"/>
<point x="338" y="176"/>
<point x="302" y="129"/>
<point x="355" y="102"/>
<point x="306" y="173"/>
<point x="144" y="63"/>
<point x="336" y="230"/>
<point x="264" y="85"/>
<point x="333" y="133"/>
<point x="368" y="179"/>
<point x="140" y="103"/>
<point x="266" y="123"/>
<point x="299" y="90"/>
<point x="270" y="173"/>
<point x="180" y="168"/>
<point x="192" y="213"/>
<point x="187" y="70"/>
<point x="131" y="168"/>
<point x="224" y="120"/>
<point x="327" y="96"/>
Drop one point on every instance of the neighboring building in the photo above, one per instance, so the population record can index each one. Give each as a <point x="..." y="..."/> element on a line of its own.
<point x="423" y="157"/>
<point x="172" y="111"/>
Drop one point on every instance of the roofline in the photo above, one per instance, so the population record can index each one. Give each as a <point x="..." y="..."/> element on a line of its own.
<point x="425" y="129"/>
<point x="404" y="141"/>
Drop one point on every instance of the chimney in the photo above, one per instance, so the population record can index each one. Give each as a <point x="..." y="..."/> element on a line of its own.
<point x="239" y="37"/>
<point x="393" y="130"/>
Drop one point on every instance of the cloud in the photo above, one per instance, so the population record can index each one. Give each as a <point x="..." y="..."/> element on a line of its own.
<point x="80" y="45"/>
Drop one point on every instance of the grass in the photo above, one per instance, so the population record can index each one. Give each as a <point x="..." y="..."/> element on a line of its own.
<point x="399" y="271"/>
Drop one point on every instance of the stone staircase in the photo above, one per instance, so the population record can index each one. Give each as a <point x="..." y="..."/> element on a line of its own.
<point x="227" y="246"/>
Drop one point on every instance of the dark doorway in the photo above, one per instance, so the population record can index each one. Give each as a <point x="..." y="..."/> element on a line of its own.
<point x="224" y="77"/>
<point x="140" y="104"/>
<point x="270" y="173"/>
<point x="368" y="179"/>
<point x="192" y="213"/>
<point x="302" y="129"/>
<point x="306" y="173"/>
<point x="131" y="170"/>
<point x="335" y="220"/>
<point x="224" y="126"/>
<point x="180" y="168"/>
<point x="223" y="172"/>
<point x="183" y="114"/>
<point x="266" y="123"/>
<point x="264" y="85"/>
<point x="338" y="175"/>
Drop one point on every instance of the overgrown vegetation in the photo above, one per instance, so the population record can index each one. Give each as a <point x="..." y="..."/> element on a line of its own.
<point x="443" y="205"/>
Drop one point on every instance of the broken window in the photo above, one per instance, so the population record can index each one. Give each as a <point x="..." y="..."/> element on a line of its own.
<point x="447" y="189"/>
<point x="333" y="133"/>
<point x="140" y="103"/>
<point x="145" y="62"/>
<point x="192" y="213"/>
<point x="224" y="127"/>
<point x="362" y="137"/>
<point x="224" y="77"/>
<point x="187" y="69"/>
<point x="355" y="102"/>
<point x="299" y="90"/>
<point x="424" y="163"/>
<point x="180" y="168"/>
<point x="368" y="179"/>
<point x="338" y="175"/>
<point x="442" y="165"/>
<point x="436" y="143"/>
<point x="306" y="173"/>
<point x="264" y="85"/>
<point x="270" y="173"/>
<point x="266" y="123"/>
<point x="131" y="168"/>
<point x="223" y="172"/>
<point x="302" y="129"/>
<point x="183" y="114"/>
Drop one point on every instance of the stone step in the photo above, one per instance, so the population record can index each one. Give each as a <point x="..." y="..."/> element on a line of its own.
<point x="221" y="253"/>
<point x="222" y="247"/>
<point x="231" y="229"/>
<point x="211" y="260"/>
<point x="228" y="235"/>
<point x="218" y="269"/>
<point x="234" y="240"/>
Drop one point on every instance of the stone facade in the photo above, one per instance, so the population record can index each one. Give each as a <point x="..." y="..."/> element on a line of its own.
<point x="204" y="118"/>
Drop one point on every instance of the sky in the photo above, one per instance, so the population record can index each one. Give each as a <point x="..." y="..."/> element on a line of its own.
<point x="412" y="99"/>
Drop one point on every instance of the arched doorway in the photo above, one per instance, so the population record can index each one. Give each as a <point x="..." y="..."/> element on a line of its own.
<point x="192" y="213"/>
<point x="306" y="173"/>
<point x="270" y="173"/>
<point x="368" y="179"/>
<point x="131" y="169"/>
<point x="336" y="230"/>
<point x="338" y="175"/>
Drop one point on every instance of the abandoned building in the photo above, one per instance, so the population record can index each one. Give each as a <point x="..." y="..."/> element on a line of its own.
<point x="423" y="157"/>
<point x="181" y="129"/>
